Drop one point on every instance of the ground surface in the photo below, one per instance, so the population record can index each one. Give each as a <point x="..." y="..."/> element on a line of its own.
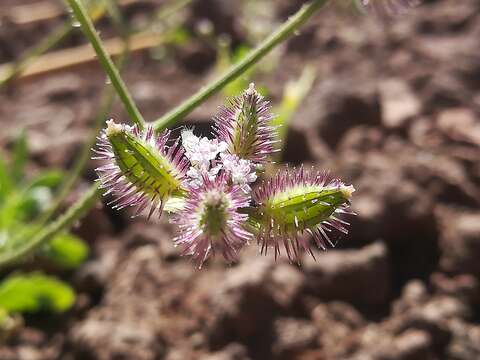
<point x="394" y="110"/>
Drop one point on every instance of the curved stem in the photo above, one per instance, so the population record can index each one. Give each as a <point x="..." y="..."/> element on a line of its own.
<point x="282" y="33"/>
<point x="75" y="212"/>
<point x="106" y="102"/>
<point x="91" y="34"/>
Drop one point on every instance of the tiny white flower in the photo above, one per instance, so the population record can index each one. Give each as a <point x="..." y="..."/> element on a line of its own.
<point x="201" y="151"/>
<point x="241" y="171"/>
<point x="189" y="141"/>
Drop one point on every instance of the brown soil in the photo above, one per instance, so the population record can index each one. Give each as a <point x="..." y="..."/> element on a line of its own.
<point x="394" y="111"/>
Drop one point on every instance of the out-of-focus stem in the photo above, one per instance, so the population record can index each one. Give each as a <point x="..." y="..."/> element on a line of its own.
<point x="74" y="213"/>
<point x="91" y="34"/>
<point x="282" y="33"/>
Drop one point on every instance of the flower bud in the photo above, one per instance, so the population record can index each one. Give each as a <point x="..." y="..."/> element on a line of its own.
<point x="297" y="202"/>
<point x="245" y="126"/>
<point x="210" y="221"/>
<point x="141" y="169"/>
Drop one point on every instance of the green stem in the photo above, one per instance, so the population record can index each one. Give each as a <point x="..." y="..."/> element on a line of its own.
<point x="105" y="105"/>
<point x="292" y="24"/>
<point x="106" y="102"/>
<point x="105" y="60"/>
<point x="74" y="213"/>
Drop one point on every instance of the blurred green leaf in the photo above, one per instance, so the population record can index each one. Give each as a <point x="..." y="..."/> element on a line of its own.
<point x="32" y="202"/>
<point x="35" y="292"/>
<point x="19" y="157"/>
<point x="5" y="181"/>
<point x="66" y="250"/>
<point x="48" y="178"/>
<point x="294" y="93"/>
<point x="180" y="36"/>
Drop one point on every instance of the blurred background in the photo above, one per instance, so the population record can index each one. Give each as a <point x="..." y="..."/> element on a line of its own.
<point x="388" y="103"/>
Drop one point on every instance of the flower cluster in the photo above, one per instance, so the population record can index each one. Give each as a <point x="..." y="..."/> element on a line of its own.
<point x="211" y="180"/>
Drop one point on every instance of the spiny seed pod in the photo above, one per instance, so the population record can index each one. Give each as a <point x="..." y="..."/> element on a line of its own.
<point x="388" y="7"/>
<point x="244" y="126"/>
<point x="210" y="221"/>
<point x="297" y="202"/>
<point x="141" y="170"/>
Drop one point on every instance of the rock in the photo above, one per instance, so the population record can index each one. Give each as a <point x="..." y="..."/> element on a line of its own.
<point x="335" y="322"/>
<point x="336" y="312"/>
<point x="232" y="351"/>
<point x="285" y="284"/>
<point x="460" y="241"/>
<point x="399" y="103"/>
<point x="414" y="293"/>
<point x="103" y="339"/>
<point x="464" y="287"/>
<point x="460" y="124"/>
<point x="293" y="335"/>
<point x="130" y="318"/>
<point x="337" y="104"/>
<point x="465" y="344"/>
<point x="349" y="274"/>
<point x="413" y="344"/>
<point x="244" y="304"/>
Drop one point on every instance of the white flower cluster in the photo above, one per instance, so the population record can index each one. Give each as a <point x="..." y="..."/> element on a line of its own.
<point x="208" y="157"/>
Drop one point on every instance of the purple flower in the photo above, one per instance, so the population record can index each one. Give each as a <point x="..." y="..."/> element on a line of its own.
<point x="245" y="126"/>
<point x="297" y="203"/>
<point x="210" y="221"/>
<point x="141" y="169"/>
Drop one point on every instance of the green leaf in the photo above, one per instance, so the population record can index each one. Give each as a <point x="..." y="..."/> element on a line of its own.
<point x="66" y="250"/>
<point x="19" y="157"/>
<point x="294" y="93"/>
<point x="49" y="178"/>
<point x="34" y="292"/>
<point x="5" y="181"/>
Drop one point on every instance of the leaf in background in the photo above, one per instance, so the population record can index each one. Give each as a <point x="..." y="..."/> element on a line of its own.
<point x="33" y="202"/>
<point x="294" y="93"/>
<point x="35" y="292"/>
<point x="180" y="36"/>
<point x="36" y="196"/>
<point x="19" y="157"/>
<point x="5" y="181"/>
<point x="48" y="178"/>
<point x="66" y="250"/>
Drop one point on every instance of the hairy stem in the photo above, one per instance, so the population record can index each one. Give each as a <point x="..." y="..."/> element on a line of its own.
<point x="91" y="34"/>
<point x="106" y="102"/>
<point x="74" y="213"/>
<point x="282" y="33"/>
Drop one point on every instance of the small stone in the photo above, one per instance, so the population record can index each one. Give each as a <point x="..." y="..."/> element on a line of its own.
<point x="399" y="104"/>
<point x="292" y="335"/>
